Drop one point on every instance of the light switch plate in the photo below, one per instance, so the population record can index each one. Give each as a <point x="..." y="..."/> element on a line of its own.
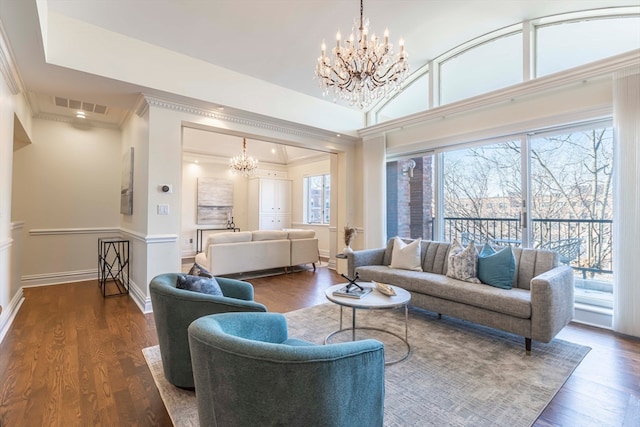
<point x="163" y="209"/>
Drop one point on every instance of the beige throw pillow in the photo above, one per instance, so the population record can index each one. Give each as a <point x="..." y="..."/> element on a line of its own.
<point x="406" y="256"/>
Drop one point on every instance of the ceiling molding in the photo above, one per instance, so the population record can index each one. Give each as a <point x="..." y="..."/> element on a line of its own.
<point x="141" y="106"/>
<point x="76" y="122"/>
<point x="7" y="65"/>
<point x="252" y="120"/>
<point x="597" y="69"/>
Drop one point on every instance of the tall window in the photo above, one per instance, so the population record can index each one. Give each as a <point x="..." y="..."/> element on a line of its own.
<point x="551" y="190"/>
<point x="483" y="194"/>
<point x="572" y="204"/>
<point x="318" y="199"/>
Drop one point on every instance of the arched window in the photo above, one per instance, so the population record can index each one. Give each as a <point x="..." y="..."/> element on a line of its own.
<point x="482" y="68"/>
<point x="564" y="45"/>
<point x="413" y="98"/>
<point x="497" y="60"/>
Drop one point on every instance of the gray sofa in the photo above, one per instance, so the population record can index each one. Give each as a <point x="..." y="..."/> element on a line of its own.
<point x="538" y="306"/>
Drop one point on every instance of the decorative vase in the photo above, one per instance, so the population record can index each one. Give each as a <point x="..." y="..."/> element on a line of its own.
<point x="347" y="250"/>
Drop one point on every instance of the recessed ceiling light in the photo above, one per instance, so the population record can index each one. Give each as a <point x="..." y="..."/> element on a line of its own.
<point x="81" y="115"/>
<point x="338" y="135"/>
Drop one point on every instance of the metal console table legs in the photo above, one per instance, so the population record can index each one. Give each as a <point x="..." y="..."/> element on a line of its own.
<point x="113" y="265"/>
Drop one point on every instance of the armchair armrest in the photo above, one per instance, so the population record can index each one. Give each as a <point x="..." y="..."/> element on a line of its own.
<point x="357" y="259"/>
<point x="552" y="305"/>
<point x="235" y="288"/>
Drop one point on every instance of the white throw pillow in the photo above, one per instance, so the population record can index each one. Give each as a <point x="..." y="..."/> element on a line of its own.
<point x="406" y="256"/>
<point x="463" y="262"/>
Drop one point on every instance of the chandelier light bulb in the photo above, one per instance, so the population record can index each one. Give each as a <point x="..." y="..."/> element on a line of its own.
<point x="364" y="68"/>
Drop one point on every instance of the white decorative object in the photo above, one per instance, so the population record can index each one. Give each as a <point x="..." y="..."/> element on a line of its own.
<point x="349" y="234"/>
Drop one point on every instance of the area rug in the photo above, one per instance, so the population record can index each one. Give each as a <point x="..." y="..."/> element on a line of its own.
<point x="458" y="373"/>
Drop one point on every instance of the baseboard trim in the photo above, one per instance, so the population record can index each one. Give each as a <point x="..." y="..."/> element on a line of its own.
<point x="593" y="316"/>
<point x="140" y="298"/>
<point x="59" y="278"/>
<point x="9" y="313"/>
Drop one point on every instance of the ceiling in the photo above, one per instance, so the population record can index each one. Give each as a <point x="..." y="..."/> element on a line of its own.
<point x="256" y="56"/>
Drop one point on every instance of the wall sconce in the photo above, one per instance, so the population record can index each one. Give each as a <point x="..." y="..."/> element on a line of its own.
<point x="407" y="168"/>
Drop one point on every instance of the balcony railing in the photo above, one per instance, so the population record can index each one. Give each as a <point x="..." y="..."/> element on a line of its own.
<point x="594" y="238"/>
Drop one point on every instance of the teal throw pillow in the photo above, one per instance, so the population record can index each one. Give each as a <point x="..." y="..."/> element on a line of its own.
<point x="496" y="268"/>
<point x="203" y="285"/>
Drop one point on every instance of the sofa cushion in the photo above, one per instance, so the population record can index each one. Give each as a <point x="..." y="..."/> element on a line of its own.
<point x="496" y="268"/>
<point x="463" y="262"/>
<point x="301" y="234"/>
<point x="203" y="285"/>
<point x="261" y="235"/>
<point x="406" y="256"/>
<point x="229" y="237"/>
<point x="512" y="302"/>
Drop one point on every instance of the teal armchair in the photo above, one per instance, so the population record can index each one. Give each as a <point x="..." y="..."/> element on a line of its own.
<point x="248" y="372"/>
<point x="174" y="309"/>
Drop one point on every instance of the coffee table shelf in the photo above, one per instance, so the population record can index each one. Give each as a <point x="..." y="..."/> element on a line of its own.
<point x="372" y="301"/>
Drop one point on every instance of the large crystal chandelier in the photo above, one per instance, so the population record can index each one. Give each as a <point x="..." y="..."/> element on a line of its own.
<point x="363" y="71"/>
<point x="243" y="165"/>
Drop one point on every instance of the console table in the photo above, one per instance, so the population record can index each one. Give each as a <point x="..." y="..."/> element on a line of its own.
<point x="113" y="265"/>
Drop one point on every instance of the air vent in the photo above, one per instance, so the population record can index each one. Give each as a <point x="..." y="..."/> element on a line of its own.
<point x="80" y="105"/>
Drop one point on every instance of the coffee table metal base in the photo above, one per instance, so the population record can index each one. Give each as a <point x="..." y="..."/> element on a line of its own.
<point x="355" y="328"/>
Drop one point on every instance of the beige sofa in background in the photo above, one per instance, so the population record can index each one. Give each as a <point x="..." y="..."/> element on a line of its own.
<point x="229" y="252"/>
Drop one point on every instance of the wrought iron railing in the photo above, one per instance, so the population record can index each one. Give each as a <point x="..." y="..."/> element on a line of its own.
<point x="594" y="238"/>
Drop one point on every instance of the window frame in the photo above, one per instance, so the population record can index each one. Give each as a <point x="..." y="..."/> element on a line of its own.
<point x="325" y="197"/>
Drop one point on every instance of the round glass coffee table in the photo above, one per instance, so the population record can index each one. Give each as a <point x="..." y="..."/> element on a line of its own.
<point x="372" y="301"/>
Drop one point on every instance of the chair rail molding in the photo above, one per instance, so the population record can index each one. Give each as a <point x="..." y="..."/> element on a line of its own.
<point x="67" y="231"/>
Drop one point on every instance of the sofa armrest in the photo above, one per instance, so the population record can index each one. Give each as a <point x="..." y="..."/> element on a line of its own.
<point x="357" y="259"/>
<point x="552" y="305"/>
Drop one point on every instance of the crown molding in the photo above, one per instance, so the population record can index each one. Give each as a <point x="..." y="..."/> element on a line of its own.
<point x="594" y="70"/>
<point x="76" y="122"/>
<point x="249" y="119"/>
<point x="7" y="64"/>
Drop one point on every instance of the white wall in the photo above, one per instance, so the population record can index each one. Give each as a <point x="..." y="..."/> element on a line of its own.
<point x="66" y="191"/>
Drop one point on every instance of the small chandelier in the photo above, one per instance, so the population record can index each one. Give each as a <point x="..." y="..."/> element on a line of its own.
<point x="244" y="165"/>
<point x="363" y="71"/>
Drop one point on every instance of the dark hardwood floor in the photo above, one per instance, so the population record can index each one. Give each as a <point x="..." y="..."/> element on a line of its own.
<point x="73" y="358"/>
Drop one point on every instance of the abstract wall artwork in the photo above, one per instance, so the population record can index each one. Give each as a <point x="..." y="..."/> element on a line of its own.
<point x="215" y="201"/>
<point x="126" y="185"/>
